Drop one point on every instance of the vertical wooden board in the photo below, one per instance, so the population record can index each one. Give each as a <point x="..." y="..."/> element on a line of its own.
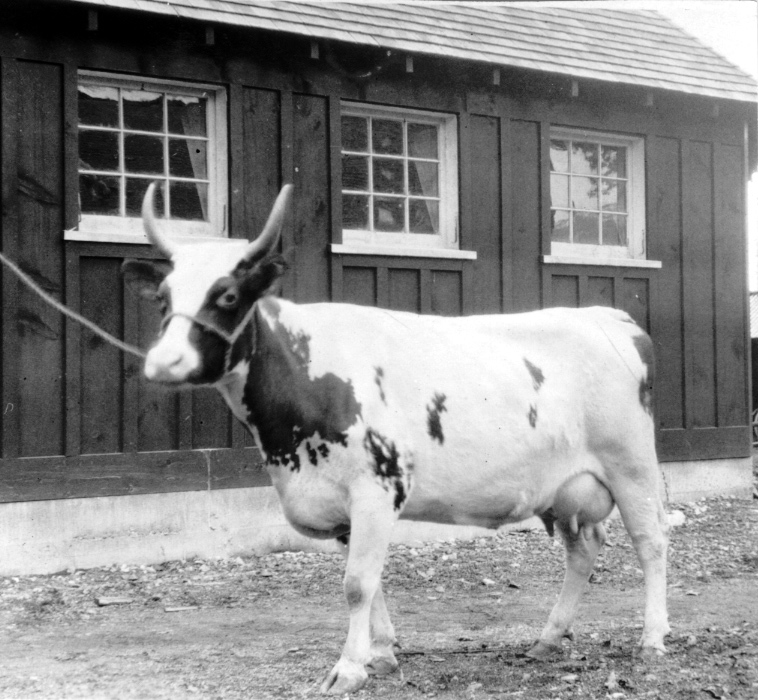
<point x="11" y="286"/>
<point x="446" y="293"/>
<point x="404" y="290"/>
<point x="564" y="290"/>
<point x="635" y="300"/>
<point x="101" y="387"/>
<point x="730" y="309"/>
<point x="312" y="185"/>
<point x="260" y="152"/>
<point x="664" y="242"/>
<point x="485" y="234"/>
<point x="525" y="166"/>
<point x="599" y="292"/>
<point x="40" y="224"/>
<point x="697" y="285"/>
<point x="359" y="285"/>
<point x="210" y="420"/>
<point x="157" y="418"/>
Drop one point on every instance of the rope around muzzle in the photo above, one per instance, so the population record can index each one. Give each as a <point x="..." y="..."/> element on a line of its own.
<point x="230" y="338"/>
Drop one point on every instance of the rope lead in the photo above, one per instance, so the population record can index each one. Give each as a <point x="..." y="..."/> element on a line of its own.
<point x="120" y="344"/>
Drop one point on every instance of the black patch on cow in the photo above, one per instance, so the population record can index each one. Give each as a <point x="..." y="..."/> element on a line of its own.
<point x="379" y="381"/>
<point x="344" y="539"/>
<point x="288" y="407"/>
<point x="385" y="460"/>
<point x="532" y="416"/>
<point x="433" y="421"/>
<point x="646" y="350"/>
<point x="537" y="376"/>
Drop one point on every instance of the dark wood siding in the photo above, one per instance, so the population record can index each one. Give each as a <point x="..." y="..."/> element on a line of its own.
<point x="78" y="419"/>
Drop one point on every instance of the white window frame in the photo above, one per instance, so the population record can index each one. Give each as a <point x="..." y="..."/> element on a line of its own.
<point x="129" y="229"/>
<point x="380" y="242"/>
<point x="635" y="252"/>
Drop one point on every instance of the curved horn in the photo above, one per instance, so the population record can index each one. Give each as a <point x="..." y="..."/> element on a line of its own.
<point x="151" y="227"/>
<point x="269" y="237"/>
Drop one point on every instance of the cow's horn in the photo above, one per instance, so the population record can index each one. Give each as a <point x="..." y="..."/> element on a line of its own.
<point x="151" y="227"/>
<point x="270" y="235"/>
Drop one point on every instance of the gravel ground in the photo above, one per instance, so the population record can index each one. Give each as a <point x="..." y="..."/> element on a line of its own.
<point x="272" y="626"/>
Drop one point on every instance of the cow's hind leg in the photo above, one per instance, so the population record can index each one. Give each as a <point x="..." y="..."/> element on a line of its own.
<point x="582" y="545"/>
<point x="647" y="524"/>
<point x="372" y="518"/>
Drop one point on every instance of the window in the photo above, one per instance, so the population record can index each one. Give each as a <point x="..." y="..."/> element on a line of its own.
<point x="133" y="132"/>
<point x="597" y="194"/>
<point x="399" y="177"/>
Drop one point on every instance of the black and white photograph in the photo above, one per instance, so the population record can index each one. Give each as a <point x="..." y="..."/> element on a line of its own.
<point x="378" y="349"/>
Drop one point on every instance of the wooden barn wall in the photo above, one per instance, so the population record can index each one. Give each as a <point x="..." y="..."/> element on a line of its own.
<point x="77" y="418"/>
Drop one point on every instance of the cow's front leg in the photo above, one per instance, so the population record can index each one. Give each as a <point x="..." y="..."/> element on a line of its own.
<point x="383" y="639"/>
<point x="371" y="522"/>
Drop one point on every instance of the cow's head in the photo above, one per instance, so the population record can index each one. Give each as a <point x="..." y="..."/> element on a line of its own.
<point x="205" y="291"/>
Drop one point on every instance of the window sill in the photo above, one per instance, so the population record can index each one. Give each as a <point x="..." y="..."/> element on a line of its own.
<point x="604" y="262"/>
<point x="448" y="253"/>
<point x="138" y="238"/>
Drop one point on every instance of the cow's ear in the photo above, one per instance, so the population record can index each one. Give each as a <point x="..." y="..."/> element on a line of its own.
<point x="144" y="277"/>
<point x="259" y="279"/>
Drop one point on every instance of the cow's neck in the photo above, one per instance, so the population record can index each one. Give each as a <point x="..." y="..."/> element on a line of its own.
<point x="294" y="416"/>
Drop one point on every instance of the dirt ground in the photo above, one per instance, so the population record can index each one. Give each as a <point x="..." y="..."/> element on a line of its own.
<point x="465" y="613"/>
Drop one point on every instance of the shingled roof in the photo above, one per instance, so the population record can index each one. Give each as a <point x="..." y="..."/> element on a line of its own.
<point x="633" y="47"/>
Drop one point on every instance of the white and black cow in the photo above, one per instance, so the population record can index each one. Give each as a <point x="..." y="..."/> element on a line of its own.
<point x="366" y="415"/>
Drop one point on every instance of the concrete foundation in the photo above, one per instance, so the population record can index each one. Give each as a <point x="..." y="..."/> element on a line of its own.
<point x="42" y="537"/>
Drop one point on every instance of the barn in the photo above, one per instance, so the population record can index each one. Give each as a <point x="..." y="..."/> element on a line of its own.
<point x="447" y="159"/>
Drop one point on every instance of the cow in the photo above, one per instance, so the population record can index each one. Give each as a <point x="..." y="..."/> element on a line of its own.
<point x="365" y="415"/>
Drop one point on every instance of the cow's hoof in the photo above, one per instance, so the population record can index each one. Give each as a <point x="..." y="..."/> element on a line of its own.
<point x="649" y="654"/>
<point x="383" y="663"/>
<point x="542" y="651"/>
<point x="345" y="677"/>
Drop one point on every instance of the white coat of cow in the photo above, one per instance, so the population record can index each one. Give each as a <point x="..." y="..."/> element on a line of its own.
<point x="366" y="415"/>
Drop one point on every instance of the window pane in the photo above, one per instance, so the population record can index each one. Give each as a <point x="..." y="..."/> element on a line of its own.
<point x="584" y="158"/>
<point x="143" y="110"/>
<point x="584" y="193"/>
<point x="98" y="150"/>
<point x="186" y="115"/>
<point x="387" y="136"/>
<point x="188" y="158"/>
<point x="614" y="195"/>
<point x="388" y="176"/>
<point x="586" y="227"/>
<point x="98" y="106"/>
<point x="189" y="201"/>
<point x="559" y="159"/>
<point x="614" y="161"/>
<point x="355" y="211"/>
<point x="614" y="229"/>
<point x="422" y="141"/>
<point x="389" y="214"/>
<point x="355" y="134"/>
<point x="99" y="194"/>
<point x="561" y="228"/>
<point x="559" y="190"/>
<point x="423" y="178"/>
<point x="355" y="173"/>
<point x="143" y="154"/>
<point x="424" y="215"/>
<point x="135" y="192"/>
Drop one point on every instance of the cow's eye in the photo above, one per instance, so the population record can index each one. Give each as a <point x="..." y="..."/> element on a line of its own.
<point x="227" y="300"/>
